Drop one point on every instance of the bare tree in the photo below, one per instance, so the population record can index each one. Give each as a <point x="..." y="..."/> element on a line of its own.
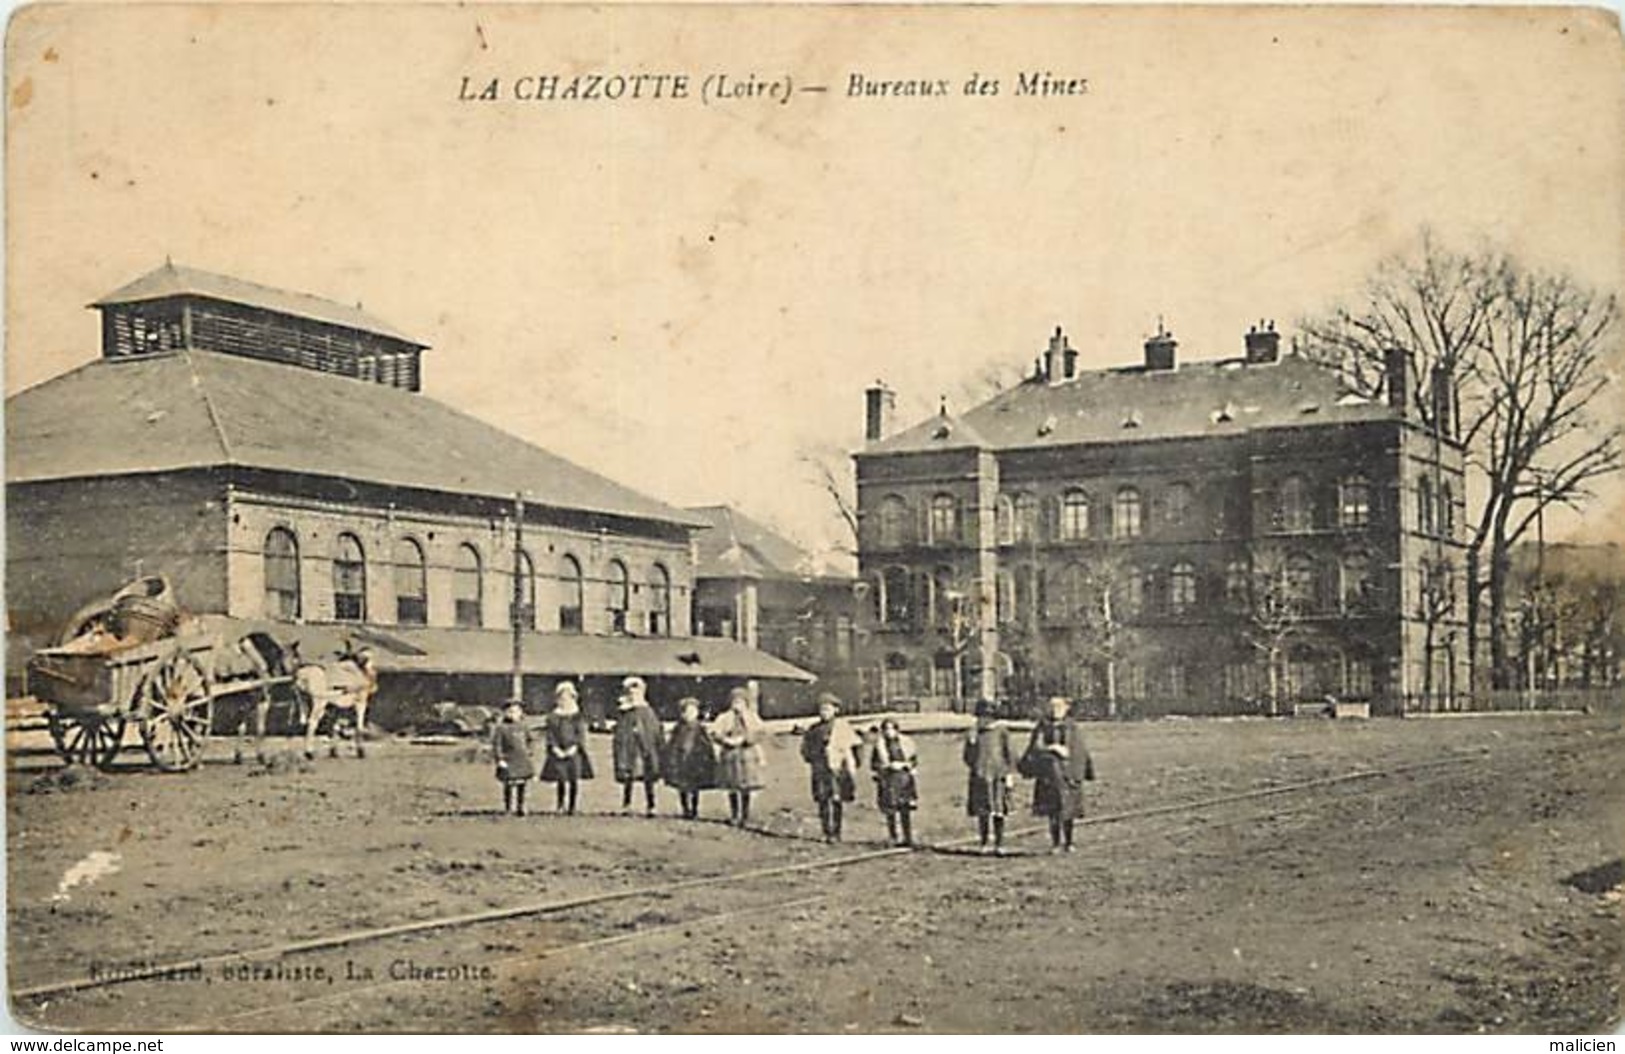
<point x="1277" y="604"/>
<point x="1543" y="368"/>
<point x="830" y="469"/>
<point x="1521" y="354"/>
<point x="1104" y="631"/>
<point x="1436" y="604"/>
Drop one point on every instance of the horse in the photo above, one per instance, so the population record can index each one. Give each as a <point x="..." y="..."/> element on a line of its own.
<point x="256" y="656"/>
<point x="346" y="683"/>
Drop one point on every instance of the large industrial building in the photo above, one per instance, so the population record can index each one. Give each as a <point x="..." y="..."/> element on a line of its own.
<point x="271" y="454"/>
<point x="1240" y="535"/>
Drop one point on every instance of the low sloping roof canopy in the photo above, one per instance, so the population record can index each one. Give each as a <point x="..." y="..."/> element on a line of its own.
<point x="432" y="649"/>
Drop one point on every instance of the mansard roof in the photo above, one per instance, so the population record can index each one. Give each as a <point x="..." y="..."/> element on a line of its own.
<point x="1135" y="404"/>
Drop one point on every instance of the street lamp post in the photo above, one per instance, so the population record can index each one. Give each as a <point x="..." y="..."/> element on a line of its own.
<point x="957" y="641"/>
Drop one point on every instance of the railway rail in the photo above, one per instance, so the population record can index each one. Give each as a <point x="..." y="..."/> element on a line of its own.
<point x="665" y="895"/>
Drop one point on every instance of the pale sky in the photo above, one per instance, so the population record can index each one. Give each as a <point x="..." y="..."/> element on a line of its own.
<point x="684" y="296"/>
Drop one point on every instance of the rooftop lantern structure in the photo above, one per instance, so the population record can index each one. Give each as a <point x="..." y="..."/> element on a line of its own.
<point x="176" y="307"/>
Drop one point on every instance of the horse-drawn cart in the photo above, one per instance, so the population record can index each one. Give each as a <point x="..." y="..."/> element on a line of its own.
<point x="135" y="660"/>
<point x="166" y="688"/>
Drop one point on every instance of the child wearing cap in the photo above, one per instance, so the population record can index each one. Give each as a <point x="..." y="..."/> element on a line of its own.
<point x="510" y="745"/>
<point x="830" y="750"/>
<point x="690" y="762"/>
<point x="992" y="775"/>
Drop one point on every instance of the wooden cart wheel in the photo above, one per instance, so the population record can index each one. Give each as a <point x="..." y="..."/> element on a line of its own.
<point x="176" y="708"/>
<point x="87" y="740"/>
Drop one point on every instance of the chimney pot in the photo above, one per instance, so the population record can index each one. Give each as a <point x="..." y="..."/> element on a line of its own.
<point x="879" y="403"/>
<point x="1397" y="378"/>
<point x="1263" y="343"/>
<point x="1159" y="350"/>
<point x="1057" y="357"/>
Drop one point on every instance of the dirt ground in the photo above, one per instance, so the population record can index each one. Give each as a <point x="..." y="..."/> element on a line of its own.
<point x="1475" y="896"/>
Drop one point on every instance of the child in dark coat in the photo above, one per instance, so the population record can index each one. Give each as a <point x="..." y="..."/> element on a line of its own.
<point x="567" y="762"/>
<point x="690" y="761"/>
<point x="1058" y="764"/>
<point x="830" y="749"/>
<point x="991" y="773"/>
<point x="637" y="745"/>
<point x="510" y="745"/>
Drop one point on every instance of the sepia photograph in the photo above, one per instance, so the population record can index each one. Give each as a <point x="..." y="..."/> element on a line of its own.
<point x="850" y="520"/>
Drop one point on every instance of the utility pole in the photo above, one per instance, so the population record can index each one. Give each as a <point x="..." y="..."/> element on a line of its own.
<point x="516" y="608"/>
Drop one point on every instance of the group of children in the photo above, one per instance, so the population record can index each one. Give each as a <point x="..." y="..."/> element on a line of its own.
<point x="727" y="754"/>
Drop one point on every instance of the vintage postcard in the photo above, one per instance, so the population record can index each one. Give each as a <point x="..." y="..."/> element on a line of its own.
<point x="836" y="519"/>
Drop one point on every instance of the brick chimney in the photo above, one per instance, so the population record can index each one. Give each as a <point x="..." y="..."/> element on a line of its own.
<point x="879" y="404"/>
<point x="1159" y="349"/>
<point x="1397" y="378"/>
<point x="1060" y="361"/>
<point x="1442" y="394"/>
<point x="1263" y="343"/>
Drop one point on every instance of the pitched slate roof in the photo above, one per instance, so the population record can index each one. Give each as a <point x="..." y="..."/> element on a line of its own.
<point x="198" y="409"/>
<point x="172" y="280"/>
<point x="737" y="546"/>
<point x="1204" y="398"/>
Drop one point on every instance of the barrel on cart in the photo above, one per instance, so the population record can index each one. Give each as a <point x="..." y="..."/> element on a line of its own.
<point x="137" y="660"/>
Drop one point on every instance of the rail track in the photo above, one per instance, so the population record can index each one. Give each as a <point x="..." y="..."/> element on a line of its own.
<point x="561" y="927"/>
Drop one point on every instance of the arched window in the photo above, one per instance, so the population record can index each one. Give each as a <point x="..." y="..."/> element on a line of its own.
<point x="1131" y="590"/>
<point x="1424" y="505"/>
<point x="1074" y="516"/>
<point x="1237" y="585"/>
<point x="468" y="587"/>
<point x="1005" y="518"/>
<point x="619" y="587"/>
<point x="1178" y="505"/>
<point x="1356" y="576"/>
<point x="1447" y="511"/>
<point x="570" y="595"/>
<point x="1299" y="583"/>
<point x="942" y="592"/>
<point x="1182" y="588"/>
<point x="1026" y="596"/>
<point x="1074" y="593"/>
<point x="1297" y="511"/>
<point x="1126" y="513"/>
<point x="411" y="584"/>
<point x="925" y="598"/>
<point x="898" y="604"/>
<point x="1025" y="526"/>
<point x="1354" y="502"/>
<point x="524" y="591"/>
<point x="893" y="521"/>
<point x="944" y="519"/>
<point x="659" y="601"/>
<point x="349" y="580"/>
<point x="281" y="574"/>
